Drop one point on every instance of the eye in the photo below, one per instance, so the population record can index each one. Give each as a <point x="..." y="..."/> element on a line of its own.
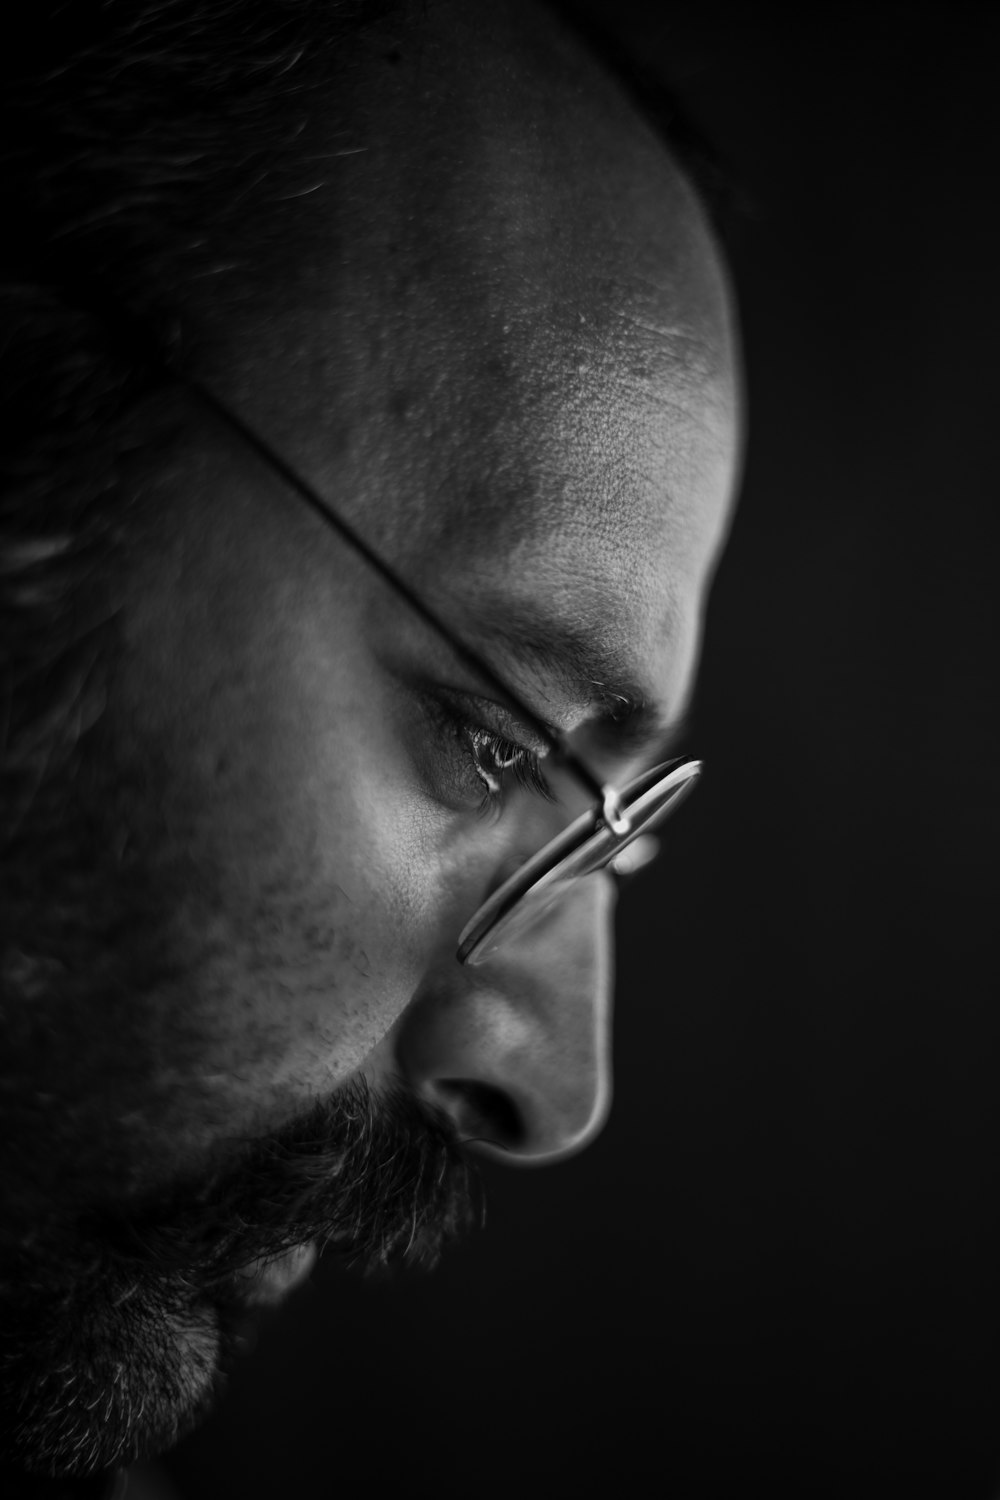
<point x="474" y="764"/>
<point x="495" y="757"/>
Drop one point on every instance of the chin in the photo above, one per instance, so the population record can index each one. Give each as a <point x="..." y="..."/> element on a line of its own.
<point x="118" y="1375"/>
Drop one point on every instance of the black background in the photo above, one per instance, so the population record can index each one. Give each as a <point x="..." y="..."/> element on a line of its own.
<point x="777" y="1271"/>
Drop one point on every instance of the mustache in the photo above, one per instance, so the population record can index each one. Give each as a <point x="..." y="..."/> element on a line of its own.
<point x="140" y="1314"/>
<point x="374" y="1179"/>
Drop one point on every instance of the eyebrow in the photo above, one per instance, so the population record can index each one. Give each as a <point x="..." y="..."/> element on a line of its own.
<point x="626" y="722"/>
<point x="591" y="676"/>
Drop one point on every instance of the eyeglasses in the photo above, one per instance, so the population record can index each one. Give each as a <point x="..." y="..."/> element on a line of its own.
<point x="589" y="844"/>
<point x="615" y="833"/>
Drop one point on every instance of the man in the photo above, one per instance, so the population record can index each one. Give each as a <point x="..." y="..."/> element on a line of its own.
<point x="424" y="268"/>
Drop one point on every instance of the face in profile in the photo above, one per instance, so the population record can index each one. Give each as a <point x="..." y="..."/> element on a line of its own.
<point x="501" y="348"/>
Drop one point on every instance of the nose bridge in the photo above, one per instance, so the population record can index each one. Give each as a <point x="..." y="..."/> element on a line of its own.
<point x="518" y="1051"/>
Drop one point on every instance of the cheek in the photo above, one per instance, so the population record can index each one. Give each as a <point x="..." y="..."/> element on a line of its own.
<point x="307" y="907"/>
<point x="295" y="862"/>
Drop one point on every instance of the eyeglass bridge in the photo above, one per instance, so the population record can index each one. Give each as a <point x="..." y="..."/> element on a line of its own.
<point x="613" y="813"/>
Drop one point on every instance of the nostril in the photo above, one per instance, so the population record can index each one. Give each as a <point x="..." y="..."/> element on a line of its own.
<point x="482" y="1113"/>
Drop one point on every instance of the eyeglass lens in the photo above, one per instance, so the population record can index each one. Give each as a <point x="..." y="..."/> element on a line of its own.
<point x="586" y="846"/>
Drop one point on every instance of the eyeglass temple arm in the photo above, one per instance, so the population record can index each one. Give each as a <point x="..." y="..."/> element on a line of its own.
<point x="605" y="795"/>
<point x="136" y="339"/>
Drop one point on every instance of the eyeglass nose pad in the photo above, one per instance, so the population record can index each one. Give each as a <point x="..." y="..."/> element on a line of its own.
<point x="636" y="855"/>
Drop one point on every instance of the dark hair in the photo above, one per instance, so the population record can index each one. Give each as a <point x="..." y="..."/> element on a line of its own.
<point x="137" y="136"/>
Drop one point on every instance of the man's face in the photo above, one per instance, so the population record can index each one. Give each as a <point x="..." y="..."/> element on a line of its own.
<point x="507" y="359"/>
<point x="512" y="370"/>
<point x="331" y="809"/>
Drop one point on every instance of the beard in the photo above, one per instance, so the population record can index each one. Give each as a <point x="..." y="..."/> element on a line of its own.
<point x="114" y="1343"/>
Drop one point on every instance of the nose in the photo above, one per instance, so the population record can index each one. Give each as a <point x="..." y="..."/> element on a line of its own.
<point x="518" y="1051"/>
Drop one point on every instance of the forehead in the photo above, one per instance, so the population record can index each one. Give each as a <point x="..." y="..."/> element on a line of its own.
<point x="566" y="481"/>
<point x="509" y="353"/>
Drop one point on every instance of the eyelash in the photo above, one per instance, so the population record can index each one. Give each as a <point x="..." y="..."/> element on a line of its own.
<point x="487" y="759"/>
<point x="507" y="757"/>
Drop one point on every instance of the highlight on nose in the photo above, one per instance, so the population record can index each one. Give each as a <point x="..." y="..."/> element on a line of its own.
<point x="518" y="1052"/>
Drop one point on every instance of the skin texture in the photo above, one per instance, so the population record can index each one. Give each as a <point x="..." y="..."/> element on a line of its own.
<point x="507" y="355"/>
<point x="518" y="380"/>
